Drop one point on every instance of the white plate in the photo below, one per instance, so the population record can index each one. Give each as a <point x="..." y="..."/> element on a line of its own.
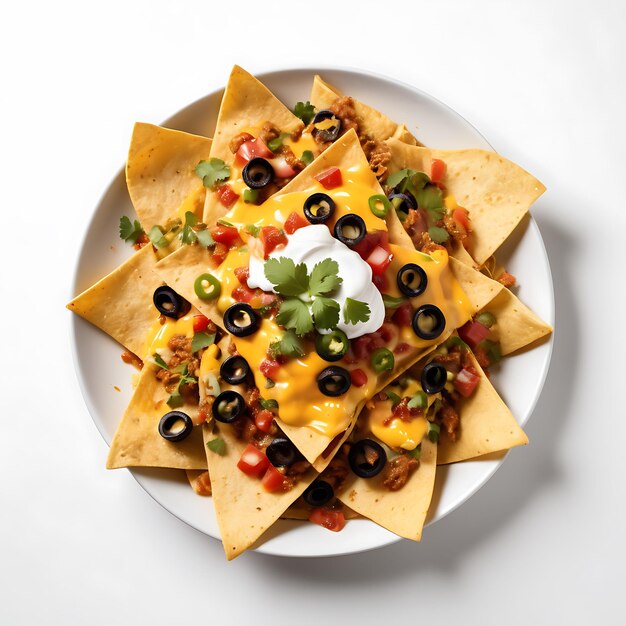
<point x="97" y="357"/>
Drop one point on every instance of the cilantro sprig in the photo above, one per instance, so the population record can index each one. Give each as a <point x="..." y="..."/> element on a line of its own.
<point x="212" y="172"/>
<point x="355" y="311"/>
<point x="193" y="231"/>
<point x="130" y="231"/>
<point x="305" y="111"/>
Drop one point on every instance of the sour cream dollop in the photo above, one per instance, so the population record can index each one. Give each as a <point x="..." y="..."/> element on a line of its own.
<point x="312" y="244"/>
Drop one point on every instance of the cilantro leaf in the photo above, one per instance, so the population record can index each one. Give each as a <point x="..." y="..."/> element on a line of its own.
<point x="288" y="278"/>
<point x="307" y="157"/>
<point x="157" y="237"/>
<point x="268" y="404"/>
<point x="355" y="311"/>
<point x="204" y="237"/>
<point x="202" y="340"/>
<point x="305" y="111"/>
<point x="274" y="144"/>
<point x="175" y="400"/>
<point x="288" y="345"/>
<point x="394" y="397"/>
<point x="212" y="171"/>
<point x="217" y="445"/>
<point x="393" y="180"/>
<point x="416" y="453"/>
<point x="392" y="303"/>
<point x="324" y="278"/>
<point x="325" y="313"/>
<point x="187" y="235"/>
<point x="158" y="359"/>
<point x="438" y="235"/>
<point x="295" y="314"/>
<point x="130" y="231"/>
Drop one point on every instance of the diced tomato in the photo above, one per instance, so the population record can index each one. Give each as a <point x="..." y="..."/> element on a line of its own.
<point x="379" y="260"/>
<point x="253" y="461"/>
<point x="330" y="179"/>
<point x="295" y="221"/>
<point x="272" y="237"/>
<point x="243" y="293"/>
<point x="401" y="348"/>
<point x="437" y="170"/>
<point x="380" y="282"/>
<point x="269" y="368"/>
<point x="251" y="149"/>
<point x="403" y="315"/>
<point x="332" y="520"/>
<point x="282" y="169"/>
<point x="466" y="381"/>
<point x="387" y="332"/>
<point x="358" y="377"/>
<point x="227" y="195"/>
<point x="472" y="333"/>
<point x="272" y="480"/>
<point x="242" y="274"/>
<point x="218" y="254"/>
<point x="263" y="420"/>
<point x="461" y="217"/>
<point x="361" y="347"/>
<point x="228" y="235"/>
<point x="261" y="299"/>
<point x="200" y="323"/>
<point x="369" y="242"/>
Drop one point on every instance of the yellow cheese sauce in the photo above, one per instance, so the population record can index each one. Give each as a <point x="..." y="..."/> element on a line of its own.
<point x="159" y="334"/>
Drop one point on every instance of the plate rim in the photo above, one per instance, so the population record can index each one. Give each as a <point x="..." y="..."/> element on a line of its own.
<point x="263" y="76"/>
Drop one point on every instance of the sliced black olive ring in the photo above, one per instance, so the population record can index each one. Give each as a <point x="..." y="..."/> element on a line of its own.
<point x="412" y="280"/>
<point x="367" y="458"/>
<point x="282" y="453"/>
<point x="175" y="426"/>
<point x="169" y="303"/>
<point x="334" y="381"/>
<point x="318" y="493"/>
<point x="428" y="322"/>
<point x="234" y="369"/>
<point x="402" y="201"/>
<point x="241" y="320"/>
<point x="318" y="208"/>
<point x="228" y="406"/>
<point x="434" y="377"/>
<point x="326" y="134"/>
<point x="258" y="173"/>
<point x="350" y="229"/>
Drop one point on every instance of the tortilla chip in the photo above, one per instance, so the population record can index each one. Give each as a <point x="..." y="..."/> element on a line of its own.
<point x="487" y="425"/>
<point x="137" y="442"/>
<point x="247" y="103"/>
<point x="402" y="512"/>
<point x="243" y="508"/>
<point x="160" y="172"/>
<point x="120" y="304"/>
<point x="371" y="122"/>
<point x="496" y="191"/>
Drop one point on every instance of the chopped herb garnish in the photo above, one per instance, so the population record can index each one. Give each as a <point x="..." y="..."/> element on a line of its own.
<point x="253" y="230"/>
<point x="307" y="157"/>
<point x="212" y="172"/>
<point x="324" y="278"/>
<point x="202" y="340"/>
<point x="294" y="313"/>
<point x="433" y="432"/>
<point x="269" y="383"/>
<point x="268" y="404"/>
<point x="392" y="303"/>
<point x="157" y="237"/>
<point x="175" y="400"/>
<point x="158" y="359"/>
<point x="250" y="195"/>
<point x="187" y="235"/>
<point x="305" y="111"/>
<point x="438" y="235"/>
<point x="418" y="401"/>
<point x="416" y="453"/>
<point x="325" y="312"/>
<point x="288" y="278"/>
<point x="204" y="238"/>
<point x="217" y="445"/>
<point x="288" y="345"/>
<point x="274" y="144"/>
<point x="355" y="311"/>
<point x="130" y="231"/>
<point x="394" y="397"/>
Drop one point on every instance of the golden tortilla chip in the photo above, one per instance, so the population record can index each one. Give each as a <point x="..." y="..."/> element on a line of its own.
<point x="402" y="512"/>
<point x="160" y="173"/>
<point x="487" y="425"/>
<point x="496" y="192"/>
<point x="120" y="304"/>
<point x="137" y="442"/>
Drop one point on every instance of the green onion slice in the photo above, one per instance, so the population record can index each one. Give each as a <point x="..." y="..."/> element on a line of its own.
<point x="375" y="203"/>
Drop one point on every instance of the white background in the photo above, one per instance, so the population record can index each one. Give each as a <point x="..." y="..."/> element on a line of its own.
<point x="543" y="542"/>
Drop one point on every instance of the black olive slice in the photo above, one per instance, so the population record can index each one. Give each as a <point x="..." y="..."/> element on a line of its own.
<point x="428" y="322"/>
<point x="234" y="369"/>
<point x="281" y="452"/>
<point x="350" y="229"/>
<point x="228" y="406"/>
<point x="434" y="377"/>
<point x="241" y="320"/>
<point x="257" y="173"/>
<point x="169" y="303"/>
<point x="402" y="201"/>
<point x="334" y="381"/>
<point x="367" y="458"/>
<point x="318" y="208"/>
<point x="326" y="134"/>
<point x="412" y="280"/>
<point x="175" y="426"/>
<point x="318" y="493"/>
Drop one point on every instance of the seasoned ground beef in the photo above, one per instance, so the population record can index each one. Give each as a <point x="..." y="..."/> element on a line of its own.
<point x="449" y="419"/>
<point x="506" y="279"/>
<point x="132" y="359"/>
<point x="398" y="470"/>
